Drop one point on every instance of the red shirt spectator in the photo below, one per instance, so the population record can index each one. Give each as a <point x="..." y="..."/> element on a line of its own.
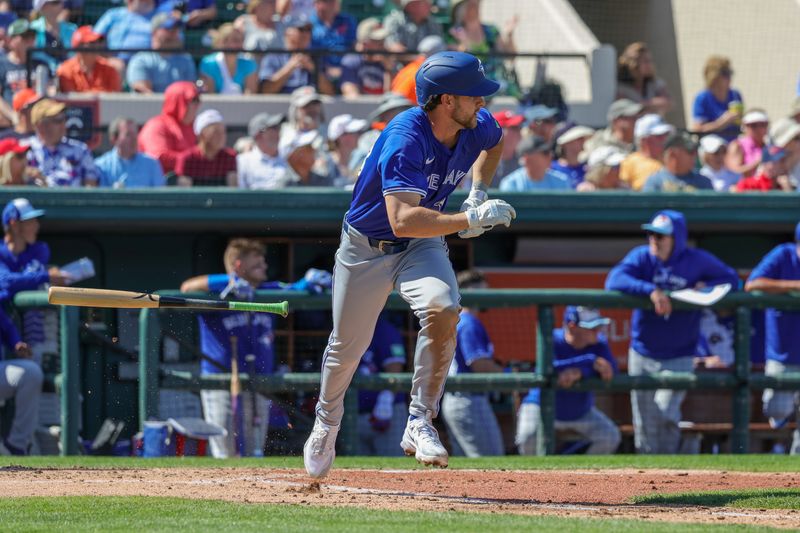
<point x="210" y="163"/>
<point x="170" y="133"/>
<point x="770" y="175"/>
<point x="87" y="71"/>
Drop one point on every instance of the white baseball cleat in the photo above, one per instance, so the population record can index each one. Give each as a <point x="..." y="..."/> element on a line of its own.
<point x="320" y="449"/>
<point x="422" y="441"/>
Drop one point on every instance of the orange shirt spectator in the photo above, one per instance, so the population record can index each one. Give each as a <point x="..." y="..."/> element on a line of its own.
<point x="87" y="71"/>
<point x="405" y="81"/>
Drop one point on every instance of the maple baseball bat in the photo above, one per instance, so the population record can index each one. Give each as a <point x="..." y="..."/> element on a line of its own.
<point x="140" y="300"/>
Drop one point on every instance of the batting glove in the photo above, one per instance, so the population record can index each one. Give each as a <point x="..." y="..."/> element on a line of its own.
<point x="239" y="289"/>
<point x="491" y="213"/>
<point x="476" y="197"/>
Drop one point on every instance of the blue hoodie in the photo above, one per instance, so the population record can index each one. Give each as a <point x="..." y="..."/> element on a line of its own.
<point x="640" y="273"/>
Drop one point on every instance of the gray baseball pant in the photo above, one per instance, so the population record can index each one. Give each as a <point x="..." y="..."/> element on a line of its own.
<point x="471" y="424"/>
<point x="594" y="426"/>
<point x="217" y="410"/>
<point x="780" y="405"/>
<point x="383" y="443"/>
<point x="21" y="379"/>
<point x="656" y="413"/>
<point x="363" y="278"/>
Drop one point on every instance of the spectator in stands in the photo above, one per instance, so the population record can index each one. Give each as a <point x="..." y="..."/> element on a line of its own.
<point x="306" y="111"/>
<point x="664" y="339"/>
<point x="650" y="133"/>
<point x="512" y="134"/>
<point x="405" y="81"/>
<point x="87" y="70"/>
<point x="283" y="73"/>
<point x="195" y="13"/>
<point x="622" y="116"/>
<point x="468" y="416"/>
<point x="63" y="162"/>
<point x="469" y="34"/>
<point x="391" y="105"/>
<point x="22" y="103"/>
<point x="124" y="166"/>
<point x="332" y="30"/>
<point x="712" y="155"/>
<point x="166" y="135"/>
<point x="295" y="8"/>
<point x="718" y="108"/>
<point x="298" y="149"/>
<point x="382" y="415"/>
<point x="13" y="66"/>
<point x="261" y="167"/>
<point x="128" y="28"/>
<point x="258" y="25"/>
<point x="542" y="121"/>
<point x="602" y="170"/>
<point x="744" y="152"/>
<point x="785" y="134"/>
<point x="409" y="25"/>
<point x="210" y="162"/>
<point x="678" y="174"/>
<point x="229" y="72"/>
<point x="13" y="162"/>
<point x="637" y="80"/>
<point x="343" y="133"/>
<point x="52" y="32"/>
<point x="153" y="72"/>
<point x="580" y="350"/>
<point x="364" y="72"/>
<point x="770" y="174"/>
<point x="535" y="174"/>
<point x="778" y="272"/>
<point x="569" y="146"/>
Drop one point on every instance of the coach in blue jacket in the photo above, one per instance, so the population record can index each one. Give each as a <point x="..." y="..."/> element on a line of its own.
<point x="663" y="340"/>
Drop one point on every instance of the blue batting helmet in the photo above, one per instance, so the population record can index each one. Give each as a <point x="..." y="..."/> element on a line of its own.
<point x="453" y="73"/>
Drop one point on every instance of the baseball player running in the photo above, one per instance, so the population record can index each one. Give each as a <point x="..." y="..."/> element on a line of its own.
<point x="393" y="238"/>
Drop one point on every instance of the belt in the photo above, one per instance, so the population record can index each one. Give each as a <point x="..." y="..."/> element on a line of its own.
<point x="387" y="247"/>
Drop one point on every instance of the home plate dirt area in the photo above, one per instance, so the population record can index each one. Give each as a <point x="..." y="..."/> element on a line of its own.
<point x="580" y="493"/>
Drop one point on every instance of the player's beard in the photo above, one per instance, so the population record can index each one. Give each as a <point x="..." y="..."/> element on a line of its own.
<point x="466" y="119"/>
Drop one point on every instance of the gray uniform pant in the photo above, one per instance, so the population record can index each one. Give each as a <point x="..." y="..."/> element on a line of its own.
<point x="471" y="424"/>
<point x="656" y="413"/>
<point x="594" y="426"/>
<point x="383" y="443"/>
<point x="782" y="405"/>
<point x="363" y="278"/>
<point x="21" y="379"/>
<point x="217" y="410"/>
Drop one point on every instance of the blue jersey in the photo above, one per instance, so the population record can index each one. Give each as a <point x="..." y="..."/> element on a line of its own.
<point x="386" y="348"/>
<point x="781" y="328"/>
<point x="254" y="333"/>
<point x="408" y="158"/>
<point x="26" y="272"/>
<point x="573" y="405"/>
<point x="472" y="343"/>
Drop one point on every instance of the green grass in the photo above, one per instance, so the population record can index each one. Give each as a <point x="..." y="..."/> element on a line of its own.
<point x="751" y="463"/>
<point x="173" y="514"/>
<point x="740" y="499"/>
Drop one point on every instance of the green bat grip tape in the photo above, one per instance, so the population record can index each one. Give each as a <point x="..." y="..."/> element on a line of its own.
<point x="280" y="308"/>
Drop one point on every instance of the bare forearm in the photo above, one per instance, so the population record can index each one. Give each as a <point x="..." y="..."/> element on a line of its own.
<point x="485" y="166"/>
<point x="419" y="222"/>
<point x="774" y="286"/>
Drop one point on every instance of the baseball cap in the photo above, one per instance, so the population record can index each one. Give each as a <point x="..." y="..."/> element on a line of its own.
<point x="430" y="45"/>
<point x="371" y="29"/>
<point x="20" y="209"/>
<point x="293" y="139"/>
<point x="623" y="108"/>
<point x="573" y="134"/>
<point x="605" y="155"/>
<point x="711" y="144"/>
<point x="263" y="121"/>
<point x="296" y="21"/>
<point x="165" y="21"/>
<point x="24" y="98"/>
<point x="533" y="144"/>
<point x="661" y="223"/>
<point x="754" y="117"/>
<point x="508" y="119"/>
<point x="39" y="4"/>
<point x="12" y="144"/>
<point x="46" y="108"/>
<point x="302" y="96"/>
<point x="207" y="118"/>
<point x="341" y="124"/>
<point x="680" y="140"/>
<point x="390" y="102"/>
<point x="651" y="125"/>
<point x="783" y="131"/>
<point x="85" y="35"/>
<point x="19" y="27"/>
<point x="585" y="317"/>
<point x="540" y="112"/>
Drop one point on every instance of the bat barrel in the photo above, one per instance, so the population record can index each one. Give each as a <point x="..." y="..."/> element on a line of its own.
<point x="101" y="298"/>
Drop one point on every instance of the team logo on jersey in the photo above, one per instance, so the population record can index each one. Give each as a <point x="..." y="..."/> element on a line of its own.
<point x="454" y="177"/>
<point x="433" y="182"/>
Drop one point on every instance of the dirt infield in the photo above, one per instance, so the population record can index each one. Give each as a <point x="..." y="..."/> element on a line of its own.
<point x="583" y="493"/>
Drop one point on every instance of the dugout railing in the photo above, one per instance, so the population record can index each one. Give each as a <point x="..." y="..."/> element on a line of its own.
<point x="740" y="380"/>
